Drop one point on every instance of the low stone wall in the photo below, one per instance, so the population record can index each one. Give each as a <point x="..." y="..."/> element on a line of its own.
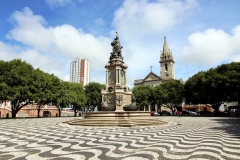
<point x="43" y="112"/>
<point x="31" y="111"/>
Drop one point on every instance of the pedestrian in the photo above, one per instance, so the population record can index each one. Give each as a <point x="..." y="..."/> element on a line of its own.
<point x="180" y="114"/>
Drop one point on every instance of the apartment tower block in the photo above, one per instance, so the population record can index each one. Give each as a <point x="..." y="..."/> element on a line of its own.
<point x="80" y="71"/>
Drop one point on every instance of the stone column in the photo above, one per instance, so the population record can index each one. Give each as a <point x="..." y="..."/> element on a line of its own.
<point x="119" y="76"/>
<point x="149" y="108"/>
<point x="107" y="77"/>
<point x="116" y="76"/>
<point x="125" y="80"/>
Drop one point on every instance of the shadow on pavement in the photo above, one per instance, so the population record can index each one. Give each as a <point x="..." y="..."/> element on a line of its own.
<point x="230" y="125"/>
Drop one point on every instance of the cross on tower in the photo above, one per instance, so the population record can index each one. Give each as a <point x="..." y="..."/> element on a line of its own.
<point x="151" y="68"/>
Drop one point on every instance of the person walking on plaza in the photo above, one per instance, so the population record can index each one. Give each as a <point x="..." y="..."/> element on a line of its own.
<point x="178" y="114"/>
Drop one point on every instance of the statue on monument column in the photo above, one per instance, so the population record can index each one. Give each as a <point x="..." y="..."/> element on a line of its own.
<point x="116" y="48"/>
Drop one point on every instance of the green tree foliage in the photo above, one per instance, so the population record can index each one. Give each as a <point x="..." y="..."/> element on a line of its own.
<point x="62" y="97"/>
<point x="16" y="84"/>
<point x="93" y="94"/>
<point x="21" y="84"/>
<point x="156" y="96"/>
<point x="77" y="97"/>
<point x="169" y="94"/>
<point x="194" y="89"/>
<point x="230" y="80"/>
<point x="3" y="85"/>
<point x="69" y="94"/>
<point x="44" y="89"/>
<point x="215" y="86"/>
<point x="143" y="95"/>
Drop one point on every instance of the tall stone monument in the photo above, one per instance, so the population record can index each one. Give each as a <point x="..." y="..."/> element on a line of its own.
<point x="116" y="93"/>
<point x="117" y="108"/>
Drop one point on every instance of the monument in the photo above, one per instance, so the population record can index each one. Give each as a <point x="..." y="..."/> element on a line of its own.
<point x="118" y="107"/>
<point x="116" y="93"/>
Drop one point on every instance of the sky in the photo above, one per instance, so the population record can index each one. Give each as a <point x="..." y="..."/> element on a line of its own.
<point x="50" y="34"/>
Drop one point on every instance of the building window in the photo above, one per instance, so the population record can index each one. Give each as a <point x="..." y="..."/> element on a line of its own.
<point x="166" y="67"/>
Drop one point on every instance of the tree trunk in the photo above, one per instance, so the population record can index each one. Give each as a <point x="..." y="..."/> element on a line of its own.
<point x="216" y="109"/>
<point x="59" y="112"/>
<point x="75" y="112"/>
<point x="38" y="110"/>
<point x="14" y="112"/>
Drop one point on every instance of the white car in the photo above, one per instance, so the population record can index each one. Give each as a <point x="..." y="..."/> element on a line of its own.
<point x="192" y="113"/>
<point x="156" y="114"/>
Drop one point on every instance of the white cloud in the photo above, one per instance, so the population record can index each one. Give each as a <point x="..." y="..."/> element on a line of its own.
<point x="211" y="47"/>
<point x="144" y="17"/>
<point x="53" y="48"/>
<point x="10" y="52"/>
<point x="29" y="29"/>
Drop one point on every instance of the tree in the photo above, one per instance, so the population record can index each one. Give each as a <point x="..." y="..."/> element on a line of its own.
<point x="4" y="88"/>
<point x="16" y="84"/>
<point x="45" y="88"/>
<point x="194" y="91"/>
<point x="156" y="96"/>
<point x="231" y="74"/>
<point x="77" y="97"/>
<point x="143" y="95"/>
<point x="215" y="86"/>
<point x="169" y="94"/>
<point x="93" y="94"/>
<point x="61" y="98"/>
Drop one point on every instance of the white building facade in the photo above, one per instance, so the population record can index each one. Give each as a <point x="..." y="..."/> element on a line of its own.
<point x="80" y="71"/>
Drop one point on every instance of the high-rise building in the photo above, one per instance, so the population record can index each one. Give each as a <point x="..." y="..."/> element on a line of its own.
<point x="80" y="71"/>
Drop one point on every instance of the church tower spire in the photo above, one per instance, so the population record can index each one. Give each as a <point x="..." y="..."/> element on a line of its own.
<point x="166" y="53"/>
<point x="165" y="46"/>
<point x="166" y="62"/>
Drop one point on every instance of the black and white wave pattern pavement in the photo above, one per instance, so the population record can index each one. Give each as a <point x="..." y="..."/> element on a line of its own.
<point x="182" y="138"/>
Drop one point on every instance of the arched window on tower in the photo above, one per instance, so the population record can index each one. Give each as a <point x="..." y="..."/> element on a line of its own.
<point x="166" y="67"/>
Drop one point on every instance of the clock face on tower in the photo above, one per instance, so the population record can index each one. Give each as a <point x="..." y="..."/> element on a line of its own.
<point x="167" y="74"/>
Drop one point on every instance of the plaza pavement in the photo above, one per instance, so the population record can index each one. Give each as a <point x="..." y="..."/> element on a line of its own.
<point x="181" y="138"/>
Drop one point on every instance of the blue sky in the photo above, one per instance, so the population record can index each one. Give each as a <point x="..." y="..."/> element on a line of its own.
<point x="50" y="34"/>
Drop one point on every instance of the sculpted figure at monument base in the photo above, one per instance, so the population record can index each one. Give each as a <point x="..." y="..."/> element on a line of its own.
<point x="104" y="107"/>
<point x="131" y="107"/>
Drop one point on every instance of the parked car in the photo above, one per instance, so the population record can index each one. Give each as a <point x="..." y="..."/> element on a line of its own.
<point x="192" y="113"/>
<point x="154" y="114"/>
<point x="165" y="113"/>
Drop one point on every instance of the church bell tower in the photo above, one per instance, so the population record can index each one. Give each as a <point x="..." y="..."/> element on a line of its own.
<point x="166" y="63"/>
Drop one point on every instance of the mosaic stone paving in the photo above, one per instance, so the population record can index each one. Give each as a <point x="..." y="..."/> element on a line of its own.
<point x="182" y="138"/>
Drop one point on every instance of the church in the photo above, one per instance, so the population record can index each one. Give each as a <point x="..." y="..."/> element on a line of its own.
<point x="166" y="69"/>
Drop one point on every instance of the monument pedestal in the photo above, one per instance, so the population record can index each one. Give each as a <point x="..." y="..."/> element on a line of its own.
<point x="116" y="115"/>
<point x="117" y="119"/>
